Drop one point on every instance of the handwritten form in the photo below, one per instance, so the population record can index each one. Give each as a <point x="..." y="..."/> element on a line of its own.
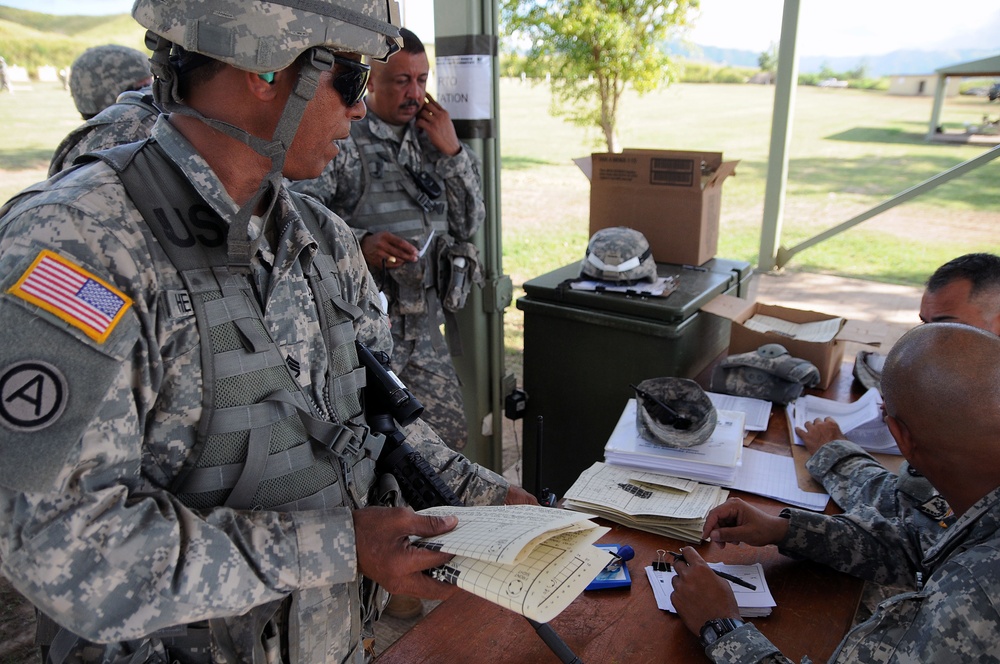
<point x="551" y="554"/>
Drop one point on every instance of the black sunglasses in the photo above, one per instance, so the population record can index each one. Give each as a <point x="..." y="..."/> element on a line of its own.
<point x="351" y="80"/>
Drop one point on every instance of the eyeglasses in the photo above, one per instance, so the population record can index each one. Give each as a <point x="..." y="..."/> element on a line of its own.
<point x="351" y="81"/>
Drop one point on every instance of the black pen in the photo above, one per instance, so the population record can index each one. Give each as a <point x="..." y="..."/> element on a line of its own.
<point x="728" y="577"/>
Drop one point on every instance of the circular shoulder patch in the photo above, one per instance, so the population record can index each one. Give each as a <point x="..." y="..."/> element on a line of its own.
<point x="33" y="395"/>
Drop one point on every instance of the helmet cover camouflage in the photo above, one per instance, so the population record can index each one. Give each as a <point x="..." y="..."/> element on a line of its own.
<point x="618" y="254"/>
<point x="264" y="37"/>
<point x="770" y="373"/>
<point x="696" y="414"/>
<point x="101" y="73"/>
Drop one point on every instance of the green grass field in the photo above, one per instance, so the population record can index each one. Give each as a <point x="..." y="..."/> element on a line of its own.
<point x="850" y="150"/>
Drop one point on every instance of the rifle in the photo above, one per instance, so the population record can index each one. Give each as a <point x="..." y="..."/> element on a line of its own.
<point x="387" y="401"/>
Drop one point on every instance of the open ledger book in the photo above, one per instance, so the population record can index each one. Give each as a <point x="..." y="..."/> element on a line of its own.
<point x="530" y="559"/>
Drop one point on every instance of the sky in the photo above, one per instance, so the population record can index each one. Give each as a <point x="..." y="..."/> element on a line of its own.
<point x="826" y="27"/>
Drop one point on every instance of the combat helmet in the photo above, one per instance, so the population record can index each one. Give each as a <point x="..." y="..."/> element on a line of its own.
<point x="674" y="412"/>
<point x="263" y="37"/>
<point x="618" y="254"/>
<point x="101" y="73"/>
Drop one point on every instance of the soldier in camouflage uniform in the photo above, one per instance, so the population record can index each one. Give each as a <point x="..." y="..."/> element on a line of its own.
<point x="942" y="397"/>
<point x="187" y="473"/>
<point x="129" y="119"/>
<point x="382" y="183"/>
<point x="109" y="85"/>
<point x="101" y="73"/>
<point x="963" y="290"/>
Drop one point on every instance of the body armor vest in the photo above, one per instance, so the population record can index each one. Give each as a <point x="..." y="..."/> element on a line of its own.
<point x="391" y="200"/>
<point x="263" y="443"/>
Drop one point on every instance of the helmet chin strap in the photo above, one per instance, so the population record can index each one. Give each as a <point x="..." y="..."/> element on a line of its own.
<point x="165" y="92"/>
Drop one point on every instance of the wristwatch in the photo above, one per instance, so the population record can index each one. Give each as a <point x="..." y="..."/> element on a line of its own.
<point x="713" y="630"/>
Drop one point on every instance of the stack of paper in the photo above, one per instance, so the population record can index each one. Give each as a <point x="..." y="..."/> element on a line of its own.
<point x="713" y="461"/>
<point x="753" y="603"/>
<point x="756" y="411"/>
<point x="819" y="331"/>
<point x="656" y="503"/>
<point x="860" y="421"/>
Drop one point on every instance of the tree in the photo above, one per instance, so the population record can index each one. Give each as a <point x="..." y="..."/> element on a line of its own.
<point x="595" y="48"/>
<point x="768" y="60"/>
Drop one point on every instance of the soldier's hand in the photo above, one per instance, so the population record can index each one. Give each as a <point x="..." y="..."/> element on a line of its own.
<point x="436" y="123"/>
<point x="735" y="521"/>
<point x="699" y="595"/>
<point x="818" y="433"/>
<point x="385" y="555"/>
<point x="384" y="249"/>
<point x="518" y="496"/>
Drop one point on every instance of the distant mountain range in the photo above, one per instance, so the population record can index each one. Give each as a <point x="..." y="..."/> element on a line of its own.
<point x="888" y="64"/>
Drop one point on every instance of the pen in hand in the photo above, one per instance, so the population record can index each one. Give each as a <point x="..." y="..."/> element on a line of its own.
<point x="728" y="577"/>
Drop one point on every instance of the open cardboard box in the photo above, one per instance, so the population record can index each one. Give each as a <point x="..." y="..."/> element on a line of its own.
<point x="672" y="197"/>
<point x="826" y="356"/>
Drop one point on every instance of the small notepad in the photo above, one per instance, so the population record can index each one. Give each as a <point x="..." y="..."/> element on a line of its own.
<point x="753" y="603"/>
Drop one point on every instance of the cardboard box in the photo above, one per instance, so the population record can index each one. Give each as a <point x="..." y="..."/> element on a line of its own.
<point x="826" y="356"/>
<point x="672" y="197"/>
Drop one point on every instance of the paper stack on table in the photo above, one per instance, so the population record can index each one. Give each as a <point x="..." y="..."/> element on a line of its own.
<point x="716" y="460"/>
<point x="757" y="411"/>
<point x="753" y="603"/>
<point x="660" y="504"/>
<point x="860" y="421"/>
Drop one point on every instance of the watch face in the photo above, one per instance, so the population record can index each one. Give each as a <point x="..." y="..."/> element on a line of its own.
<point x="713" y="629"/>
<point x="710" y="632"/>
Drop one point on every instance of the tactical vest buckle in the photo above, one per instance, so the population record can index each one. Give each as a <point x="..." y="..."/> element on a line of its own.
<point x="345" y="441"/>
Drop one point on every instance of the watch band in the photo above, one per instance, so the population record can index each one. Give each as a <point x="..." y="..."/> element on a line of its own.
<point x="714" y="629"/>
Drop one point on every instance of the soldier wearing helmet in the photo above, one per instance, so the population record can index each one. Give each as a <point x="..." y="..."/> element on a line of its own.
<point x="101" y="73"/>
<point x="129" y="119"/>
<point x="404" y="180"/>
<point x="110" y="86"/>
<point x="187" y="470"/>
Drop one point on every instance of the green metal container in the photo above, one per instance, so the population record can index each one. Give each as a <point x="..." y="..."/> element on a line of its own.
<point x="582" y="349"/>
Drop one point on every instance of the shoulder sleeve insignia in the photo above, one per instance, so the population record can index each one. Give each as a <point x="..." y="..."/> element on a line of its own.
<point x="73" y="294"/>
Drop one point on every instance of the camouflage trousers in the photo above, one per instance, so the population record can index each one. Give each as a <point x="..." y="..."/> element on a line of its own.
<point x="421" y="359"/>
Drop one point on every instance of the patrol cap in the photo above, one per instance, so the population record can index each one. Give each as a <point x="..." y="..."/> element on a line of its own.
<point x="618" y="254"/>
<point x="101" y="73"/>
<point x="770" y="373"/>
<point x="696" y="415"/>
<point x="264" y="37"/>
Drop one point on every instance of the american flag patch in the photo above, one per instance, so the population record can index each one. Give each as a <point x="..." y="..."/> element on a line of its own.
<point x="73" y="294"/>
